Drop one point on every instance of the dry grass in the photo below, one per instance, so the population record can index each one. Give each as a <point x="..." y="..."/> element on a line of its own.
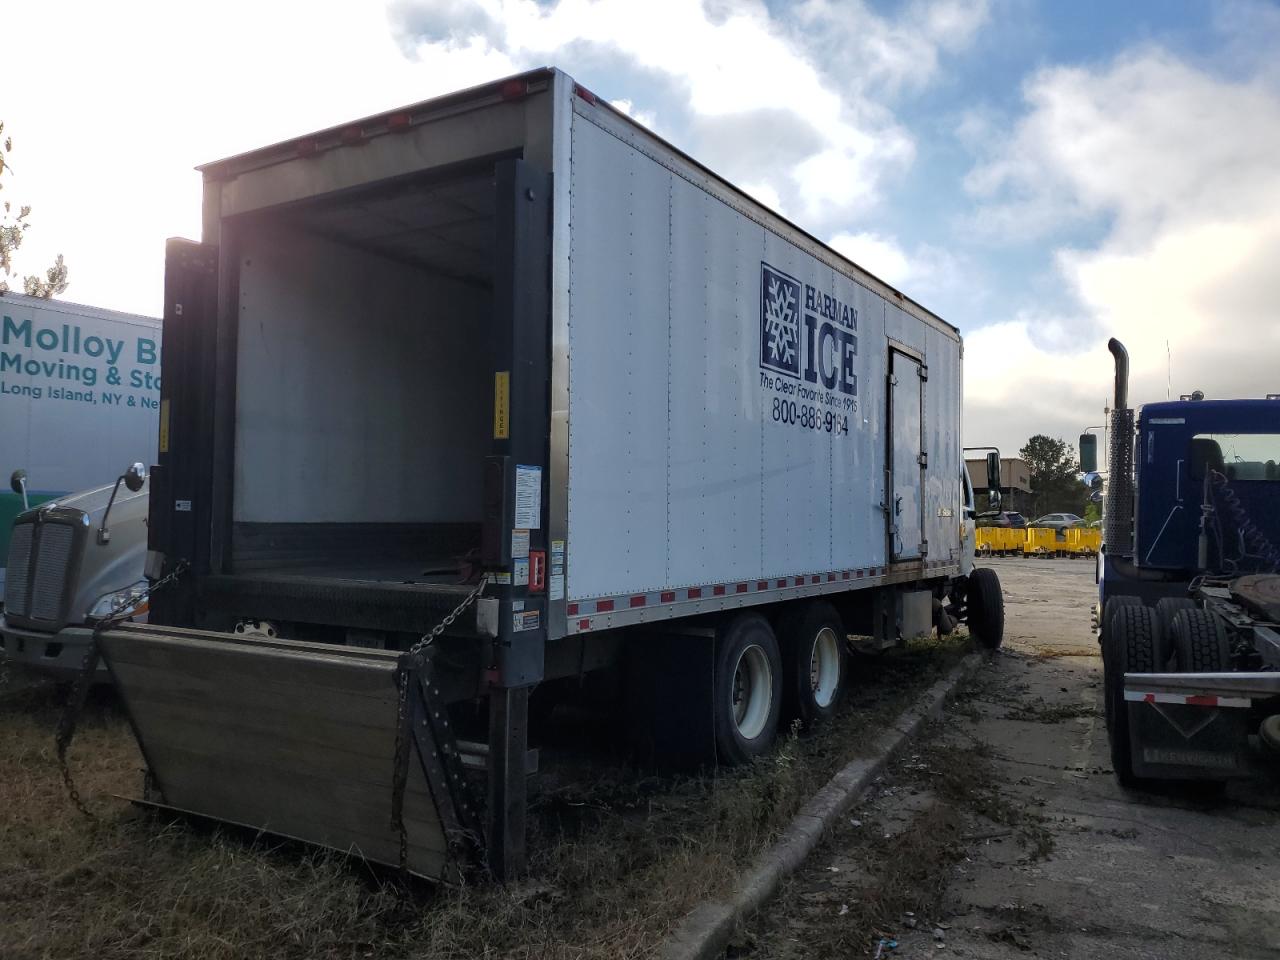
<point x="617" y="861"/>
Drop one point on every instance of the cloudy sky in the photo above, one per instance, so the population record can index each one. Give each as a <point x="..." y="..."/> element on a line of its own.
<point x="1043" y="175"/>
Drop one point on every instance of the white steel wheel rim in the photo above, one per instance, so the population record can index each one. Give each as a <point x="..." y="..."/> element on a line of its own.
<point x="751" y="696"/>
<point x="824" y="667"/>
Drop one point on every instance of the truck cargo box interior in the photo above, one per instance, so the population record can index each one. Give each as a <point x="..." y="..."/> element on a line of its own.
<point x="363" y="383"/>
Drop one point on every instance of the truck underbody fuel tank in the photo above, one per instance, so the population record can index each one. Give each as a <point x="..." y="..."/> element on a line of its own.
<point x="294" y="739"/>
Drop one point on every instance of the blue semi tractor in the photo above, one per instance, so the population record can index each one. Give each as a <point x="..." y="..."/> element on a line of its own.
<point x="1189" y="584"/>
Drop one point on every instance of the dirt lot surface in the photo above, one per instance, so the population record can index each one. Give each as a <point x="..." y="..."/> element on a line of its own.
<point x="1005" y="835"/>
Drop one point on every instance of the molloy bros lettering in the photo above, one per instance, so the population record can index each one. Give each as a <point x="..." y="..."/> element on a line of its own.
<point x="65" y="352"/>
<point x="809" y="336"/>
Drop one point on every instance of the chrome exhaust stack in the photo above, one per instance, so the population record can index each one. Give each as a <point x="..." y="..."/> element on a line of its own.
<point x="1118" y="524"/>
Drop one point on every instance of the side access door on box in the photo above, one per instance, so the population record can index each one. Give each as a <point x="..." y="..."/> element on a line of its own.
<point x="904" y="508"/>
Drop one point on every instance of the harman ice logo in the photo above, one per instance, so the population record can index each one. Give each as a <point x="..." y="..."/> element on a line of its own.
<point x="806" y="333"/>
<point x="779" y="321"/>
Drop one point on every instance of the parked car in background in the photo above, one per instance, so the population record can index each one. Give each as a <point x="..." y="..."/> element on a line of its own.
<point x="1059" y="521"/>
<point x="1001" y="518"/>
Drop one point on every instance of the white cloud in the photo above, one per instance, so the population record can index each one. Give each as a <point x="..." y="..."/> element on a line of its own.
<point x="112" y="110"/>
<point x="875" y="253"/>
<point x="1179" y="167"/>
<point x="790" y="101"/>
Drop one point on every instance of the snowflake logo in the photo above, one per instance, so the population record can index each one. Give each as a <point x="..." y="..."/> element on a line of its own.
<point x="779" y="321"/>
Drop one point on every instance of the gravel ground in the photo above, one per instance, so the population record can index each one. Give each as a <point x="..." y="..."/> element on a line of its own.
<point x="1006" y="835"/>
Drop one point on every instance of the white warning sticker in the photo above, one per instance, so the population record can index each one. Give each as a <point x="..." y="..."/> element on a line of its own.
<point x="528" y="496"/>
<point x="520" y="572"/>
<point x="556" y="588"/>
<point x="519" y="544"/>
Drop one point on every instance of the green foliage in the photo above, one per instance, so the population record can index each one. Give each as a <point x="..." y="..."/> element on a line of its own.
<point x="1054" y="487"/>
<point x="13" y="229"/>
<point x="1091" y="513"/>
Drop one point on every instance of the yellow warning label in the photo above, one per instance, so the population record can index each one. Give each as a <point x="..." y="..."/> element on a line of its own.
<point x="502" y="405"/>
<point x="164" y="426"/>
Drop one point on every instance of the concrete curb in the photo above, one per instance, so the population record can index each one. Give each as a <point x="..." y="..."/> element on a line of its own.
<point x="705" y="932"/>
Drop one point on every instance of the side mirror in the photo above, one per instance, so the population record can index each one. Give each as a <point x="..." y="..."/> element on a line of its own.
<point x="1088" y="453"/>
<point x="135" y="477"/>
<point x="993" y="471"/>
<point x="18" y="484"/>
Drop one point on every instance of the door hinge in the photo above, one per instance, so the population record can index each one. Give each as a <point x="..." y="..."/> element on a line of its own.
<point x="924" y="548"/>
<point x="924" y="371"/>
<point x="924" y="458"/>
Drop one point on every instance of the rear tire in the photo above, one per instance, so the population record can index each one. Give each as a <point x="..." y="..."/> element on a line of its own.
<point x="815" y="666"/>
<point x="1130" y="648"/>
<point x="1166" y="608"/>
<point x="1200" y="642"/>
<point x="1114" y="604"/>
<point x="747" y="690"/>
<point x="985" y="603"/>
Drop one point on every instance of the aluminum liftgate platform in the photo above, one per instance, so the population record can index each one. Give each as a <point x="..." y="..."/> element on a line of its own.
<point x="301" y="740"/>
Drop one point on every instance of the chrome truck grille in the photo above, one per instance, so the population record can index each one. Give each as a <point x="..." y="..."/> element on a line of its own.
<point x="44" y="560"/>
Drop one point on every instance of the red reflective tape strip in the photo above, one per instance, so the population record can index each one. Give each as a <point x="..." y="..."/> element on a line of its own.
<point x="1200" y="701"/>
<point x="831" y="578"/>
<point x="762" y="585"/>
<point x="695" y="593"/>
<point x="668" y="596"/>
<point x="571" y="609"/>
<point x="604" y="606"/>
<point x="718" y="590"/>
<point x="782" y="582"/>
<point x="741" y="588"/>
<point x="639" y="601"/>
<point x="1149" y="698"/>
<point x="584" y="624"/>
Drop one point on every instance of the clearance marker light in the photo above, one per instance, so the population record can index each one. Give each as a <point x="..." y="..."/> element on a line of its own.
<point x="515" y="89"/>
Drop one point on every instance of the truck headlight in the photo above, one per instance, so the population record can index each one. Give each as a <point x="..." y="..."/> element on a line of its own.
<point x="130" y="600"/>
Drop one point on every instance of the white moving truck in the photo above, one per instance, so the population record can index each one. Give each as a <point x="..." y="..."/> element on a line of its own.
<point x="507" y="373"/>
<point x="79" y="402"/>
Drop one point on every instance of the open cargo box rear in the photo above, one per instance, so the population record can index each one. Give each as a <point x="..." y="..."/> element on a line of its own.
<point x="367" y="399"/>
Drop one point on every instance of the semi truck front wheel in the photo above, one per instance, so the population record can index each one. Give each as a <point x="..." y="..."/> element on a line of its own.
<point x="985" y="604"/>
<point x="747" y="689"/>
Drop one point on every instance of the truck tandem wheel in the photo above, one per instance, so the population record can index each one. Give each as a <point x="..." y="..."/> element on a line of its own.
<point x="1130" y="647"/>
<point x="985" y="603"/>
<point x="1166" y="609"/>
<point x="812" y="638"/>
<point x="747" y="689"/>
<point x="1200" y="642"/>
<point x="1114" y="604"/>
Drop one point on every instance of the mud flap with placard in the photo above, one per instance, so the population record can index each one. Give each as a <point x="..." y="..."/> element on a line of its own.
<point x="1181" y="741"/>
<point x="298" y="740"/>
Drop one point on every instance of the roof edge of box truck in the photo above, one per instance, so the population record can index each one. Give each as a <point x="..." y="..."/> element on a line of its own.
<point x="517" y="87"/>
<point x="79" y="309"/>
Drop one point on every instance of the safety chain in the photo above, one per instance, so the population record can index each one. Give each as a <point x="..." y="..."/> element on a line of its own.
<point x="84" y="680"/>
<point x="403" y="673"/>
<point x="430" y="636"/>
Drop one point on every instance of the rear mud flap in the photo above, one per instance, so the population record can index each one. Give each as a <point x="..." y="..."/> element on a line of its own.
<point x="294" y="739"/>
<point x="1179" y="741"/>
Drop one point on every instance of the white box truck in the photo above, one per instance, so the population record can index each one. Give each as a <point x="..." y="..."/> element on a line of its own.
<point x="79" y="402"/>
<point x="502" y="388"/>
